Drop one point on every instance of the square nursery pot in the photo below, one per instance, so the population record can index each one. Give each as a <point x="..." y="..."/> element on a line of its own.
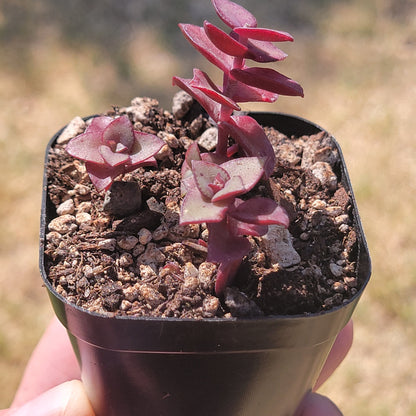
<point x="222" y="367"/>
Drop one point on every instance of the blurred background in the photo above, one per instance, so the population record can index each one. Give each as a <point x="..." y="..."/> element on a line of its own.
<point x="356" y="60"/>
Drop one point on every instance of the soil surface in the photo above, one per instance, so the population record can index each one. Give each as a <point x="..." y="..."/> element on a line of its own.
<point x="145" y="263"/>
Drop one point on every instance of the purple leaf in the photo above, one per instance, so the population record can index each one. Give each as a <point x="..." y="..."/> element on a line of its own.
<point x="211" y="107"/>
<point x="233" y="187"/>
<point x="204" y="83"/>
<point x="224" y="41"/>
<point x="112" y="158"/>
<point x="264" y="52"/>
<point x="196" y="209"/>
<point x="120" y="130"/>
<point x="205" y="174"/>
<point x="86" y="147"/>
<point x="242" y="93"/>
<point x="198" y="38"/>
<point x="234" y="15"/>
<point x="268" y="35"/>
<point x="245" y="172"/>
<point x="268" y="79"/>
<point x="144" y="146"/>
<point x="111" y="147"/>
<point x="252" y="139"/>
<point x="98" y="124"/>
<point x="243" y="228"/>
<point x="263" y="211"/>
<point x="101" y="175"/>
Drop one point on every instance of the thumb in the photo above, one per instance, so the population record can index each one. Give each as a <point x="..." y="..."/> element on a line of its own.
<point x="67" y="399"/>
<point x="318" y="405"/>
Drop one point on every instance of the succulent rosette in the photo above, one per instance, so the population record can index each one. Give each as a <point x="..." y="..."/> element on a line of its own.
<point x="111" y="147"/>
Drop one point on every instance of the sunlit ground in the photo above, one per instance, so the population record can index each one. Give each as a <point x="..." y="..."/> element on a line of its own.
<point x="356" y="61"/>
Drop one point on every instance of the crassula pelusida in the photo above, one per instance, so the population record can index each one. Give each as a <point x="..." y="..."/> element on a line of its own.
<point x="213" y="184"/>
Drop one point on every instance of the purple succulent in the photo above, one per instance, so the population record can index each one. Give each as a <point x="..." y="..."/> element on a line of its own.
<point x="211" y="182"/>
<point x="211" y="192"/>
<point x="111" y="147"/>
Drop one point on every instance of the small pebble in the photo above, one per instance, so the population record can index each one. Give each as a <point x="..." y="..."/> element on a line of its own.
<point x="161" y="232"/>
<point x="81" y="189"/>
<point x="63" y="224"/>
<point x="76" y="126"/>
<point x="84" y="207"/>
<point x="107" y="244"/>
<point x="126" y="259"/>
<point x="210" y="306"/>
<point x="325" y="174"/>
<point x="182" y="103"/>
<point x="127" y="242"/>
<point x="83" y="218"/>
<point x="67" y="207"/>
<point x="336" y="270"/>
<point x="338" y="287"/>
<point x="319" y="204"/>
<point x="343" y="228"/>
<point x="277" y="244"/>
<point x="125" y="305"/>
<point x="145" y="236"/>
<point x="341" y="219"/>
<point x="169" y="139"/>
<point x="208" y="139"/>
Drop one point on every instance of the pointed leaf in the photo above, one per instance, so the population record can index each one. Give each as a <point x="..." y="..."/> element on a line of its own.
<point x="268" y="35"/>
<point x="224" y="41"/>
<point x="198" y="38"/>
<point x="211" y="107"/>
<point x="112" y="158"/>
<point x="233" y="187"/>
<point x="234" y="15"/>
<point x="252" y="139"/>
<point x="264" y="52"/>
<point x="98" y="124"/>
<point x="249" y="168"/>
<point x="245" y="172"/>
<point x="268" y="79"/>
<point x="195" y="209"/>
<point x="243" y="228"/>
<point x="120" y="130"/>
<point x="86" y="147"/>
<point x="144" y="147"/>
<point x="260" y="211"/>
<point x="206" y="173"/>
<point x="192" y="153"/>
<point x="203" y="82"/>
<point x="102" y="175"/>
<point x="242" y="93"/>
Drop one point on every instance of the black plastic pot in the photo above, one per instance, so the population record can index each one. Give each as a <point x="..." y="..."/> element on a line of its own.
<point x="174" y="367"/>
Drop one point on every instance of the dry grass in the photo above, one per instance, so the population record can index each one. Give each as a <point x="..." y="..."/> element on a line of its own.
<point x="357" y="65"/>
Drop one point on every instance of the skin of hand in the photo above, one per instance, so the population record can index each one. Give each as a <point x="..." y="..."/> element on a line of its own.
<point x="51" y="383"/>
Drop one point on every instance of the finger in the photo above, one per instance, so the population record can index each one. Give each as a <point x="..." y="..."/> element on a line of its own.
<point x="338" y="352"/>
<point x="52" y="362"/>
<point x="317" y="405"/>
<point x="67" y="399"/>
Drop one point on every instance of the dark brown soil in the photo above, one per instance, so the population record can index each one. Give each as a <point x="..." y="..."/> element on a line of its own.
<point x="147" y="264"/>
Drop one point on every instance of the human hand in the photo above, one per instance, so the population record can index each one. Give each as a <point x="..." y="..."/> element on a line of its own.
<point x="51" y="387"/>
<point x="51" y="383"/>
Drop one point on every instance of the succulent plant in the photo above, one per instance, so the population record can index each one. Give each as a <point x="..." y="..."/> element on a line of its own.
<point x="111" y="147"/>
<point x="211" y="182"/>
